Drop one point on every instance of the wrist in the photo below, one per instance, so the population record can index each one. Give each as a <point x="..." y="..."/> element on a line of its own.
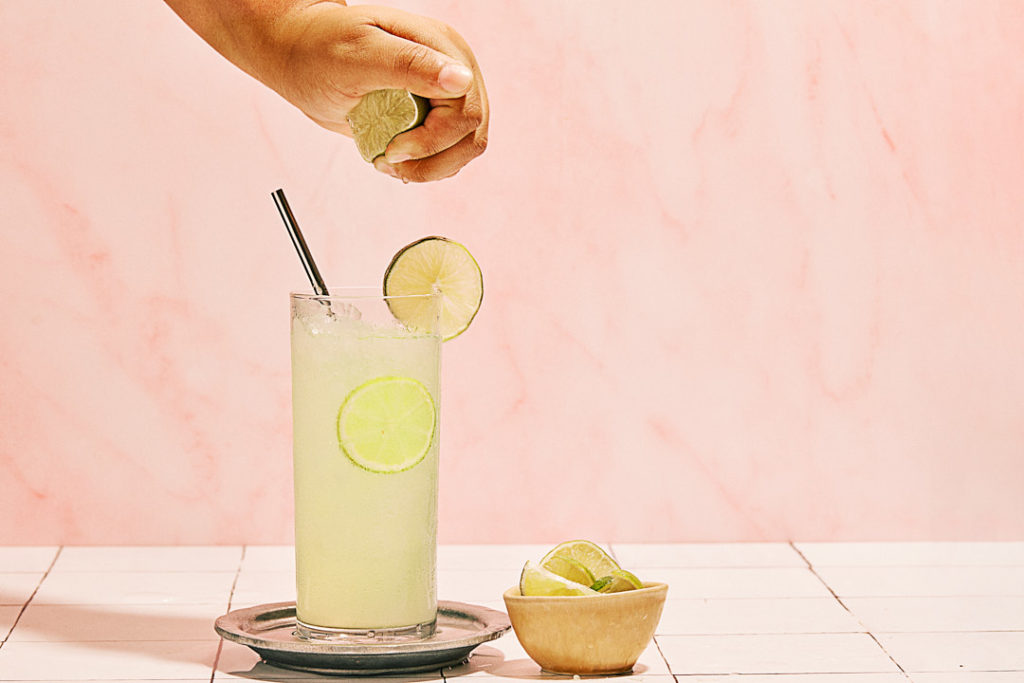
<point x="257" y="36"/>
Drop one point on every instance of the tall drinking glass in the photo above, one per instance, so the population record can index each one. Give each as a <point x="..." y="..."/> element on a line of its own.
<point x="365" y="396"/>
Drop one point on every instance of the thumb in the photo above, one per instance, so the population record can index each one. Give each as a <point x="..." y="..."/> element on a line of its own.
<point x="405" y="64"/>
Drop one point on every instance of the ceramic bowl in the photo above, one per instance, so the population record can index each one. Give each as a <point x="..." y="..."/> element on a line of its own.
<point x="586" y="635"/>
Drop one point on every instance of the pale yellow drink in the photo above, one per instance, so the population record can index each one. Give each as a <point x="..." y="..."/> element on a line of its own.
<point x="365" y="541"/>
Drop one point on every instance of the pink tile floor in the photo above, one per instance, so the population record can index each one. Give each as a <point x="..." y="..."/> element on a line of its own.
<point x="755" y="613"/>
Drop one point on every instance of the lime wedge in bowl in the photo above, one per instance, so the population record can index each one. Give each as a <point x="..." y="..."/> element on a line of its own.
<point x="535" y="580"/>
<point x="568" y="568"/>
<point x="587" y="553"/>
<point x="387" y="424"/>
<point x="616" y="582"/>
<point x="435" y="265"/>
<point x="381" y="115"/>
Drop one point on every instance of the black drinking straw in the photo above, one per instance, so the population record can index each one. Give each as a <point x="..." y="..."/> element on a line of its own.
<point x="300" y="244"/>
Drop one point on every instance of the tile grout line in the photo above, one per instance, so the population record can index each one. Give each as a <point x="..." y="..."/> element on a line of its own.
<point x="842" y="604"/>
<point x="661" y="652"/>
<point x="231" y="595"/>
<point x="25" y="604"/>
<point x="654" y="638"/>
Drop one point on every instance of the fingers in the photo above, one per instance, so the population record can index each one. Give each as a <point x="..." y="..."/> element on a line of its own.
<point x="445" y="125"/>
<point x="438" y="166"/>
<point x="453" y="134"/>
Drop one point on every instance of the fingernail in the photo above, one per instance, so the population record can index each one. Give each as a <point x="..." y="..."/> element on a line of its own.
<point x="455" y="77"/>
<point x="384" y="167"/>
<point x="397" y="157"/>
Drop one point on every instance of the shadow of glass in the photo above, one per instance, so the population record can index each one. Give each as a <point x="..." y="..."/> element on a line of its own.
<point x="127" y="628"/>
<point x="113" y="628"/>
<point x="262" y="671"/>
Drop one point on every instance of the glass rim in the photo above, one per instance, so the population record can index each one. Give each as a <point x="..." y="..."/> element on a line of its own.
<point x="357" y="293"/>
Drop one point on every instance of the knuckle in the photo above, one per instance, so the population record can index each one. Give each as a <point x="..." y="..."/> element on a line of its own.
<point x="455" y="38"/>
<point x="449" y="33"/>
<point x="479" y="144"/>
<point x="411" y="59"/>
<point x="473" y="112"/>
<point x="439" y="27"/>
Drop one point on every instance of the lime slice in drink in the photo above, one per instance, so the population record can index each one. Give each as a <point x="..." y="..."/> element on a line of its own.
<point x="429" y="265"/>
<point x="568" y="568"/>
<point x="387" y="424"/>
<point x="535" y="580"/>
<point x="381" y="115"/>
<point x="590" y="555"/>
<point x="616" y="582"/>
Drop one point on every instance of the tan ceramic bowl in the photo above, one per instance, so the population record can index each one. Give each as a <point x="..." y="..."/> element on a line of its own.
<point x="601" y="634"/>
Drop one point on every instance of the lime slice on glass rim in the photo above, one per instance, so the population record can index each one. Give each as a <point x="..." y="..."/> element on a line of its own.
<point x="435" y="265"/>
<point x="381" y="115"/>
<point x="387" y="424"/>
<point x="535" y="580"/>
<point x="589" y="554"/>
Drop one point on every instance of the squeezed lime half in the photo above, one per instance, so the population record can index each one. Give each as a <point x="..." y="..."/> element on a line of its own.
<point x="381" y="115"/>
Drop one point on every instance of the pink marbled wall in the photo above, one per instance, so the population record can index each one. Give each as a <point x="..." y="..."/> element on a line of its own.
<point x="754" y="271"/>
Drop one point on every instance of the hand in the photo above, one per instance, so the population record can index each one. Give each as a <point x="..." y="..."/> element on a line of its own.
<point x="324" y="56"/>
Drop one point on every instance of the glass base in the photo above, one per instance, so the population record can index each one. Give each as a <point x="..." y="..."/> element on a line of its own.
<point x="359" y="636"/>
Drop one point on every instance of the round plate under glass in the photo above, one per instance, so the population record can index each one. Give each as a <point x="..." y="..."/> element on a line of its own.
<point x="270" y="631"/>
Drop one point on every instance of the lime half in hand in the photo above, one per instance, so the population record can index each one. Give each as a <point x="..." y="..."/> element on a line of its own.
<point x="381" y="115"/>
<point x="435" y="265"/>
<point x="387" y="424"/>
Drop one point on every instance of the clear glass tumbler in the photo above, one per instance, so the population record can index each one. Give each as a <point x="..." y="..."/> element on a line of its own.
<point x="365" y="401"/>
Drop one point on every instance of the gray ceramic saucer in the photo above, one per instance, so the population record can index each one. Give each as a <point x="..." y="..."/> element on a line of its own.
<point x="270" y="631"/>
